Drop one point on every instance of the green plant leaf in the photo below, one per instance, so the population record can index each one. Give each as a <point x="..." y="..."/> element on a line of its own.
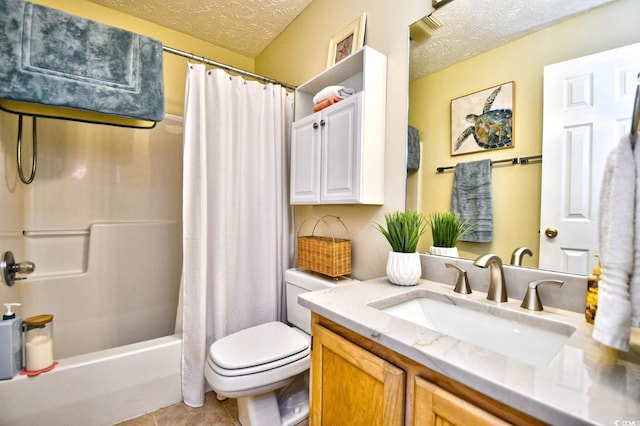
<point x="403" y="230"/>
<point x="447" y="228"/>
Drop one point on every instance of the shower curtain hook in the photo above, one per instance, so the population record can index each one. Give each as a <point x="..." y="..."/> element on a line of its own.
<point x="34" y="154"/>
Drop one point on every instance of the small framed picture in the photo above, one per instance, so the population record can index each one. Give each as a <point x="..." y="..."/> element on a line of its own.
<point x="482" y="121"/>
<point x="347" y="41"/>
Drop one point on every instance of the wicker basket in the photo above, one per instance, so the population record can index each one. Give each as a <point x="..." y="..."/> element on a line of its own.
<point x="326" y="255"/>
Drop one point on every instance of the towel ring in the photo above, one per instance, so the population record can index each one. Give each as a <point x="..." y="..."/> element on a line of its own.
<point x="34" y="154"/>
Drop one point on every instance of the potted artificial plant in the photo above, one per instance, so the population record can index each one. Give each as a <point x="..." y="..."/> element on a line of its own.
<point x="403" y="231"/>
<point x="446" y="229"/>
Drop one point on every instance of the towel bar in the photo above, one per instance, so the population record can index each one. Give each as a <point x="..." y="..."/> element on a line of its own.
<point x="515" y="160"/>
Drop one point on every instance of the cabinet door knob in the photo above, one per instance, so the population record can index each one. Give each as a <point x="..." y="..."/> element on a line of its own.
<point x="315" y="125"/>
<point x="322" y="122"/>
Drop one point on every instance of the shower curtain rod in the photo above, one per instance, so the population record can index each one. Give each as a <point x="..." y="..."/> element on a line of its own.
<point x="226" y="67"/>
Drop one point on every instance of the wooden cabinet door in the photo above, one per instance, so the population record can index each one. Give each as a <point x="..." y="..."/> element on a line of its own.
<point x="350" y="386"/>
<point x="435" y="406"/>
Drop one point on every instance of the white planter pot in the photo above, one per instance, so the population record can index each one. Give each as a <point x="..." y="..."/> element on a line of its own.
<point x="444" y="251"/>
<point x="404" y="268"/>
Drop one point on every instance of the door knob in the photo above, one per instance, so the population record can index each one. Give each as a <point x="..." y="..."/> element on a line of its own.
<point x="551" y="232"/>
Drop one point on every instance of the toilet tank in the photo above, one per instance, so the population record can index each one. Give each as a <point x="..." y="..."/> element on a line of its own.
<point x="298" y="282"/>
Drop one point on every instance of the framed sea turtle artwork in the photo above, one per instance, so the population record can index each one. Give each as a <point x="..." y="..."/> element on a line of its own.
<point x="483" y="121"/>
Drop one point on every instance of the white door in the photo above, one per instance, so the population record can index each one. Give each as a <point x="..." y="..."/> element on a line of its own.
<point x="588" y="104"/>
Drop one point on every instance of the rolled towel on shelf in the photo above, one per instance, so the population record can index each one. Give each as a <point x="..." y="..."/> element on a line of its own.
<point x="327" y="102"/>
<point x="330" y="91"/>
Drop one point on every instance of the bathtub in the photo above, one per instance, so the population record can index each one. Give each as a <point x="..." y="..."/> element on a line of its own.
<point x="99" y="388"/>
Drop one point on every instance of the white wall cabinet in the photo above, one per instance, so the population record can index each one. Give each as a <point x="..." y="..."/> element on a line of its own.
<point x="337" y="154"/>
<point x="325" y="154"/>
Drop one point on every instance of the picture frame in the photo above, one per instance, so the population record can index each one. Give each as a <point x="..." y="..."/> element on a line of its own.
<point x="483" y="120"/>
<point x="347" y="41"/>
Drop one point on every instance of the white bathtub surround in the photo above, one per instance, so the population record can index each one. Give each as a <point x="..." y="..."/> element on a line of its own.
<point x="102" y="222"/>
<point x="99" y="388"/>
<point x="236" y="213"/>
<point x="107" y="306"/>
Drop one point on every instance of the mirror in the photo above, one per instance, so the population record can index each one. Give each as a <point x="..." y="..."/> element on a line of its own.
<point x="516" y="189"/>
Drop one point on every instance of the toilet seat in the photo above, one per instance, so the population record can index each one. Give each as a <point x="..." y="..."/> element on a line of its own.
<point x="256" y="349"/>
<point x="266" y="357"/>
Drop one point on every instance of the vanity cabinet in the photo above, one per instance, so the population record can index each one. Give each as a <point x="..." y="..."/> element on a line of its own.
<point x="356" y="381"/>
<point x="351" y="386"/>
<point x="337" y="154"/>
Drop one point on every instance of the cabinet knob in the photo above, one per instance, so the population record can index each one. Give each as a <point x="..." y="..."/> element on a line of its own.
<point x="315" y="125"/>
<point x="322" y="122"/>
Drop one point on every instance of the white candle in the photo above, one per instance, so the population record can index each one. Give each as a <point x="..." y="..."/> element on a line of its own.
<point x="39" y="352"/>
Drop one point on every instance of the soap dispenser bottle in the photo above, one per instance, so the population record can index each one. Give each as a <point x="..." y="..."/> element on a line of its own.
<point x="10" y="343"/>
<point x="592" y="293"/>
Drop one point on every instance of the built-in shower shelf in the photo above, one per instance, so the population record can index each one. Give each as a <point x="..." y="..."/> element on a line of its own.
<point x="56" y="233"/>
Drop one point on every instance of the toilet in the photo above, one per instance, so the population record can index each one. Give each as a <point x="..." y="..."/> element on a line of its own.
<point x="266" y="367"/>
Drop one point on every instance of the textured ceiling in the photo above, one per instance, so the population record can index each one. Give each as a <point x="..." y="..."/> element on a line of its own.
<point x="243" y="26"/>
<point x="471" y="27"/>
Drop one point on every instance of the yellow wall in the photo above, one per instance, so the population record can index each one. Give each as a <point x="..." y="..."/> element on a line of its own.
<point x="516" y="189"/>
<point x="174" y="66"/>
<point x="300" y="52"/>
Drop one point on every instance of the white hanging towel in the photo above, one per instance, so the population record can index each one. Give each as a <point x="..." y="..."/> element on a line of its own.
<point x="619" y="223"/>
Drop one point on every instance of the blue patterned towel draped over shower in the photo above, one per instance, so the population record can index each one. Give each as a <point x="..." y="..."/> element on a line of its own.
<point x="53" y="58"/>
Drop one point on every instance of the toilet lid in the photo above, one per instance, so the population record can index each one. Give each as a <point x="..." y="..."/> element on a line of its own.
<point x="257" y="345"/>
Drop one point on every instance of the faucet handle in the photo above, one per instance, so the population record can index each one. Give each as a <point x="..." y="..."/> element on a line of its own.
<point x="462" y="281"/>
<point x="531" y="299"/>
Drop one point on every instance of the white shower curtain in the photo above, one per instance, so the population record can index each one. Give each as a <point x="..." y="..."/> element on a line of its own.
<point x="237" y="227"/>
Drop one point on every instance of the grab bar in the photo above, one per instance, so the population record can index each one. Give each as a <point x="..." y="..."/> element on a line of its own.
<point x="34" y="152"/>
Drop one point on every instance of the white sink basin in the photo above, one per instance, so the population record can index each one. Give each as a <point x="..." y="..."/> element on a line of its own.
<point x="525" y="337"/>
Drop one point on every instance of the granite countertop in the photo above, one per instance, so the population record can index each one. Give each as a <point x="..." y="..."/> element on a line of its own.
<point x="583" y="384"/>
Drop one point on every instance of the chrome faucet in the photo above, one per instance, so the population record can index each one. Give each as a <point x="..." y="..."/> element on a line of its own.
<point x="518" y="254"/>
<point x="497" y="288"/>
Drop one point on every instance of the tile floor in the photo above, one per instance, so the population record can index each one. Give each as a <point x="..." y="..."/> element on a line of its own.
<point x="214" y="413"/>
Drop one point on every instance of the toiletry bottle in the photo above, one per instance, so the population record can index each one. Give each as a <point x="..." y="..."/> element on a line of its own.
<point x="592" y="293"/>
<point x="10" y="343"/>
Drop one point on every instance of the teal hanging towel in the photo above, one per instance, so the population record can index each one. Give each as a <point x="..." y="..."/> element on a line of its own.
<point x="413" y="149"/>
